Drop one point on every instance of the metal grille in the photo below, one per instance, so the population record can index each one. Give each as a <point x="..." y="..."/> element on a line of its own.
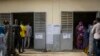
<point x="39" y="22"/>
<point x="5" y="16"/>
<point x="98" y="14"/>
<point x="67" y="21"/>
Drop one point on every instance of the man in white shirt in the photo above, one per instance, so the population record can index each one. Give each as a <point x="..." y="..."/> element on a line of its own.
<point x="96" y="33"/>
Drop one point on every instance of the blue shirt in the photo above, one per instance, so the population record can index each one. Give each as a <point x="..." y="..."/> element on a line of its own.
<point x="2" y="30"/>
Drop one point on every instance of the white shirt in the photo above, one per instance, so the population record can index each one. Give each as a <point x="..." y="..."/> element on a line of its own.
<point x="96" y="31"/>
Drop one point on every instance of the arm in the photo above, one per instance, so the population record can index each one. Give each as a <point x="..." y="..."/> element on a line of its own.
<point x="93" y="29"/>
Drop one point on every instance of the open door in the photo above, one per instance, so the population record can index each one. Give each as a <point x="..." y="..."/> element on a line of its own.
<point x="27" y="18"/>
<point x="87" y="18"/>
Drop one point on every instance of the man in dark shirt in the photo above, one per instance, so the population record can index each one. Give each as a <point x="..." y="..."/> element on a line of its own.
<point x="7" y="37"/>
<point x="16" y="36"/>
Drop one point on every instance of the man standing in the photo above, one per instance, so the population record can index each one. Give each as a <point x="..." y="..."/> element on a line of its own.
<point x="91" y="39"/>
<point x="96" y="32"/>
<point x="7" y="37"/>
<point x="22" y="35"/>
<point x="16" y="36"/>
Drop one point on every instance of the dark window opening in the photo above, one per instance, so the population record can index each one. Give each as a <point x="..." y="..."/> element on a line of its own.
<point x="26" y="18"/>
<point x="85" y="17"/>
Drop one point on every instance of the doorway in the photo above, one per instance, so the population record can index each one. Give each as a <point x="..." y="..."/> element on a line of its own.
<point x="26" y="17"/>
<point x="87" y="19"/>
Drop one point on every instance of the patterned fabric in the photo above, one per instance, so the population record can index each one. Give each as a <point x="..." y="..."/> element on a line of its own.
<point x="79" y="35"/>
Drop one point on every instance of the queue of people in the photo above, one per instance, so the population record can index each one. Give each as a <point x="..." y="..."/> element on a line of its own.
<point x="82" y="36"/>
<point x="89" y="39"/>
<point x="20" y="33"/>
<point x="22" y="36"/>
<point x="86" y="38"/>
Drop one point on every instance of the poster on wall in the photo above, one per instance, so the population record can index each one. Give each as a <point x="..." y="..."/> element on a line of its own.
<point x="49" y="34"/>
<point x="38" y="36"/>
<point x="51" y="31"/>
<point x="66" y="35"/>
<point x="56" y="29"/>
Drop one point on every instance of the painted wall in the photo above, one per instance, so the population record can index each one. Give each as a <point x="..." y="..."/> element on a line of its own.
<point x="52" y="8"/>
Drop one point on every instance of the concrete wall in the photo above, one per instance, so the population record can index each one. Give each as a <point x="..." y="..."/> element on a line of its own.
<point x="52" y="8"/>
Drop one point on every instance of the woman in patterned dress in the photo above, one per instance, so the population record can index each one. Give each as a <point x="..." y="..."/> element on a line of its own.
<point x="79" y="34"/>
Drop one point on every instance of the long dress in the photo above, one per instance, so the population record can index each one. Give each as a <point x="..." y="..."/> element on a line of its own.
<point x="80" y="35"/>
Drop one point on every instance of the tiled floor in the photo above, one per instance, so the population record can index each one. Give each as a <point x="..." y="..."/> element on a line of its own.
<point x="37" y="53"/>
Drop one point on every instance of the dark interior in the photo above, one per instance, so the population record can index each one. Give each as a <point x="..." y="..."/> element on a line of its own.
<point x="86" y="17"/>
<point x="26" y="18"/>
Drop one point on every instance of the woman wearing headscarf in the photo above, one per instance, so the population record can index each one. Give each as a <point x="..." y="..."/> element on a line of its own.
<point x="79" y="35"/>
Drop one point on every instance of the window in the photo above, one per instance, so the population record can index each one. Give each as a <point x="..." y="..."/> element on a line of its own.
<point x="5" y="16"/>
<point x="67" y="22"/>
<point x="39" y="21"/>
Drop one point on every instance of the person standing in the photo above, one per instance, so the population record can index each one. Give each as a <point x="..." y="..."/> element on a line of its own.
<point x="85" y="40"/>
<point x="2" y="41"/>
<point x="22" y="36"/>
<point x="28" y="34"/>
<point x="80" y="35"/>
<point x="90" y="49"/>
<point x="96" y="33"/>
<point x="7" y="37"/>
<point x="16" y="36"/>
